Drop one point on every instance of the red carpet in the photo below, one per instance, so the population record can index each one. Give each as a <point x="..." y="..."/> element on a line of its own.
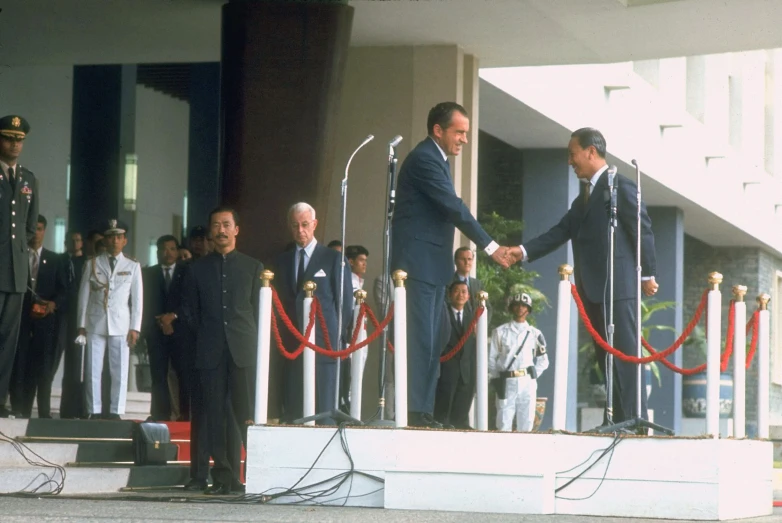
<point x="180" y="436"/>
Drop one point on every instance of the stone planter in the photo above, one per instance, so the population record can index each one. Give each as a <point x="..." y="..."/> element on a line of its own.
<point x="540" y="411"/>
<point x="694" y="395"/>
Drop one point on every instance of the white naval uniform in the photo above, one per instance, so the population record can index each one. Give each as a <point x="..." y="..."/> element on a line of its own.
<point x="109" y="307"/>
<point x="520" y="392"/>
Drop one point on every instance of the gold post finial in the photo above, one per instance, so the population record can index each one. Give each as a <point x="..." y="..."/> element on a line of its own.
<point x="266" y="278"/>
<point x="360" y="296"/>
<point x="309" y="288"/>
<point x="739" y="291"/>
<point x="399" y="278"/>
<point x="715" y="279"/>
<point x="565" y="271"/>
<point x="763" y="300"/>
<point x="483" y="297"/>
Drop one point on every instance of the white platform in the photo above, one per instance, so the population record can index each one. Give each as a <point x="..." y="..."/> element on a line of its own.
<point x="677" y="478"/>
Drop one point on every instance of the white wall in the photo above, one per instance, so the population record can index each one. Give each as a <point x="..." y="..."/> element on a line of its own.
<point x="43" y="96"/>
<point x="162" y="127"/>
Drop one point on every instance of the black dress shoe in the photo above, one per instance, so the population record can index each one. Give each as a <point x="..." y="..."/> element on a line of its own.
<point x="218" y="489"/>
<point x="196" y="485"/>
<point x="95" y="416"/>
<point x="423" y="420"/>
<point x="237" y="487"/>
<point x="112" y="417"/>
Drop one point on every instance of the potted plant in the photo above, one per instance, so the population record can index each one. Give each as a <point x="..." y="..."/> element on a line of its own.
<point x="694" y="387"/>
<point x="143" y="371"/>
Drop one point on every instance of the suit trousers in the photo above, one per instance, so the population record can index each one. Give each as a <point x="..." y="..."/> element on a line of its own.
<point x="325" y="388"/>
<point x="222" y="385"/>
<point x="72" y="403"/>
<point x="453" y="398"/>
<point x="625" y="379"/>
<point x="10" y="316"/>
<point x="34" y="366"/>
<point x="424" y="342"/>
<point x="118" y="355"/>
<point x="162" y="350"/>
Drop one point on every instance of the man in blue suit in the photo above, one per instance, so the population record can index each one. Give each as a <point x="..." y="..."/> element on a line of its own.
<point x="586" y="226"/>
<point x="422" y="231"/>
<point x="311" y="261"/>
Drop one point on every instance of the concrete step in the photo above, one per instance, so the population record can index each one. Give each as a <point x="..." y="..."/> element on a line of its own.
<point x="57" y="453"/>
<point x="137" y="406"/>
<point x="76" y="481"/>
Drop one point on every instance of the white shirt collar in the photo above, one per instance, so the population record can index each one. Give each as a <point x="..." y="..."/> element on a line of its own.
<point x="596" y="176"/>
<point x="463" y="278"/>
<point x="5" y="167"/>
<point x="455" y="312"/>
<point x="119" y="257"/>
<point x="172" y="266"/>
<point x="309" y="248"/>
<point x="38" y="250"/>
<point x="445" y="156"/>
<point x="358" y="281"/>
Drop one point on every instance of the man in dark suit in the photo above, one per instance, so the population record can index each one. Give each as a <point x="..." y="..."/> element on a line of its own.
<point x="456" y="385"/>
<point x="72" y="402"/>
<point x="427" y="210"/>
<point x="167" y="337"/>
<point x="311" y="261"/>
<point x="463" y="259"/>
<point x="221" y="306"/>
<point x="586" y="225"/>
<point x="36" y="351"/>
<point x="18" y="217"/>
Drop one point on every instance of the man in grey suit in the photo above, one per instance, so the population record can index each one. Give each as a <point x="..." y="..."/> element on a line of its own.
<point x="586" y="226"/>
<point x="18" y="219"/>
<point x="427" y="211"/>
<point x="221" y="307"/>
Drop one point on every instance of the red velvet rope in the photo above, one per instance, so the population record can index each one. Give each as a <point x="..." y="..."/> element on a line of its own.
<point x="450" y="354"/>
<point x="380" y="326"/>
<point x="276" y="331"/>
<point x="656" y="356"/>
<point x="752" y="325"/>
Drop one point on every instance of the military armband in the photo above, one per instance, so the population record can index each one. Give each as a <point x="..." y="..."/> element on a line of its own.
<point x="541" y="350"/>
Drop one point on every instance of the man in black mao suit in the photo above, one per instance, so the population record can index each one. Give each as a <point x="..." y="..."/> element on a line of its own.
<point x="586" y="226"/>
<point x="311" y="261"/>
<point x="456" y="385"/>
<point x="427" y="210"/>
<point x="18" y="217"/>
<point x="221" y="306"/>
<point x="37" y="356"/>
<point x="163" y="326"/>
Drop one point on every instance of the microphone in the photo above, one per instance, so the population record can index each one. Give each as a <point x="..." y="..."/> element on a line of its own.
<point x="368" y="139"/>
<point x="396" y="141"/>
<point x="612" y="189"/>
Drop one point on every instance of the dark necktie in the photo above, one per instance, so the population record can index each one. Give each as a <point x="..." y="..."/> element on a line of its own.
<point x="112" y="263"/>
<point x="71" y="271"/>
<point x="587" y="192"/>
<point x="34" y="270"/>
<point x="167" y="277"/>
<point x="300" y="271"/>
<point x="11" y="178"/>
<point x="459" y="319"/>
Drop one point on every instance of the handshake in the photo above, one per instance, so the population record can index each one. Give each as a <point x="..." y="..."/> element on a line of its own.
<point x="507" y="256"/>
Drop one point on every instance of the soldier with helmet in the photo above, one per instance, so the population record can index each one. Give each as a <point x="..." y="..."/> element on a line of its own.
<point x="109" y="318"/>
<point x="517" y="358"/>
<point x="18" y="220"/>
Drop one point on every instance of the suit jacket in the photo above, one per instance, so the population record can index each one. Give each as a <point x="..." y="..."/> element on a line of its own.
<point x="427" y="209"/>
<point x="52" y="281"/>
<point x="476" y="286"/>
<point x="111" y="303"/>
<point x="159" y="300"/>
<point x="324" y="269"/>
<point x="465" y="358"/>
<point x="18" y="219"/>
<point x="221" y="307"/>
<point x="587" y="227"/>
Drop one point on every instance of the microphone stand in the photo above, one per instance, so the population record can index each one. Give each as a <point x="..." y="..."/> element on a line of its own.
<point x="385" y="295"/>
<point x="637" y="425"/>
<point x="336" y="414"/>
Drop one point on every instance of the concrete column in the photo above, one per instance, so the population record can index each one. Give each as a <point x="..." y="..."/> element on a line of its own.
<point x="668" y="227"/>
<point x="747" y="106"/>
<point x="716" y="111"/>
<point x="696" y="86"/>
<point x="549" y="187"/>
<point x="774" y="113"/>
<point x="468" y="186"/>
<point x="389" y="91"/>
<point x="673" y="82"/>
<point x="203" y="180"/>
<point x="102" y="135"/>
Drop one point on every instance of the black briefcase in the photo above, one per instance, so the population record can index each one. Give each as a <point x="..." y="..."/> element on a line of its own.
<point x="152" y="444"/>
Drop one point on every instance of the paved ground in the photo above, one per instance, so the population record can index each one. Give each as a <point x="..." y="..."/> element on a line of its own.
<point x="115" y="511"/>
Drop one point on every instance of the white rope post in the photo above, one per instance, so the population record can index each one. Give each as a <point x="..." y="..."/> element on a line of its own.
<point x="713" y="332"/>
<point x="264" y="350"/>
<point x="562" y="348"/>
<point x="763" y="366"/>
<point x="739" y="359"/>
<point x="482" y="366"/>
<point x="309" y="354"/>
<point x="400" y="349"/>
<point x="359" y="358"/>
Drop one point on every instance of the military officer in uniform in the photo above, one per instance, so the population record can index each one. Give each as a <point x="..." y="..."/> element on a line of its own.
<point x="517" y="358"/>
<point x="18" y="219"/>
<point x="110" y="306"/>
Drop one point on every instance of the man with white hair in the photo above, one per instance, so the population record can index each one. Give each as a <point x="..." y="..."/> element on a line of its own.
<point x="311" y="261"/>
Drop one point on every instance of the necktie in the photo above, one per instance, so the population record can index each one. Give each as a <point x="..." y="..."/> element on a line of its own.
<point x="587" y="192"/>
<point x="11" y="177"/>
<point x="34" y="269"/>
<point x="71" y="271"/>
<point x="113" y="263"/>
<point x="459" y="319"/>
<point x="300" y="271"/>
<point x="167" y="278"/>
